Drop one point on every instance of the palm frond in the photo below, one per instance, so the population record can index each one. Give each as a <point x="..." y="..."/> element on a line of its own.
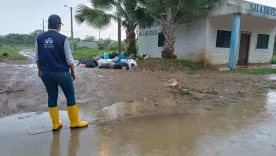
<point x="130" y="5"/>
<point x="93" y="17"/>
<point x="144" y="19"/>
<point x="177" y="11"/>
<point x="107" y="5"/>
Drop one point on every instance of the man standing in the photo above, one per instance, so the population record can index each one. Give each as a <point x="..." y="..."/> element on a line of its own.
<point x="54" y="59"/>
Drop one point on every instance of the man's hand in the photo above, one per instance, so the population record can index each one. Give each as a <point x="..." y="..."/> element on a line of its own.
<point x="73" y="76"/>
<point x="72" y="71"/>
<point x="38" y="68"/>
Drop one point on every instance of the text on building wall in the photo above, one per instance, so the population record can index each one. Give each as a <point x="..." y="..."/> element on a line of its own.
<point x="148" y="33"/>
<point x="262" y="9"/>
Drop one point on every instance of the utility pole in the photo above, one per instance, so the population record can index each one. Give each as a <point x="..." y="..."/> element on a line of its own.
<point x="43" y="25"/>
<point x="119" y="32"/>
<point x="99" y="35"/>
<point x="72" y="34"/>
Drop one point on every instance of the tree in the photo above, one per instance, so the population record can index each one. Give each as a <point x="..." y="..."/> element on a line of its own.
<point x="274" y="52"/>
<point x="89" y="38"/>
<point x="36" y="33"/>
<point x="98" y="16"/>
<point x="3" y="40"/>
<point x="75" y="39"/>
<point x="20" y="39"/>
<point x="172" y="13"/>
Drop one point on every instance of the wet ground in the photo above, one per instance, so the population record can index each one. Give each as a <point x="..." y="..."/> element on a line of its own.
<point x="240" y="129"/>
<point x="207" y="114"/>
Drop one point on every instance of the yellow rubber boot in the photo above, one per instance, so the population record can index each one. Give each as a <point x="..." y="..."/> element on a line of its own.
<point x="73" y="113"/>
<point x="55" y="118"/>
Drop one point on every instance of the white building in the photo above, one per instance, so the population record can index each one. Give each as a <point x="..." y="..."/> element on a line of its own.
<point x="209" y="39"/>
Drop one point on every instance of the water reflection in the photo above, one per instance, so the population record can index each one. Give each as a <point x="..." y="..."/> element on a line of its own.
<point x="73" y="143"/>
<point x="55" y="146"/>
<point x="198" y="131"/>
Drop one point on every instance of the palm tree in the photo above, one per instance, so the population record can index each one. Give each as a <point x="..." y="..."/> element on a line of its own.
<point x="172" y="13"/>
<point x="101" y="12"/>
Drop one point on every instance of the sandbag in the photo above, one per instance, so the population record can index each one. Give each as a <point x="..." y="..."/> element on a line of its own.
<point x="105" y="63"/>
<point x="90" y="63"/>
<point x="122" y="57"/>
<point x="132" y="63"/>
<point x="120" y="65"/>
<point x="113" y="55"/>
<point x="115" y="59"/>
<point x="106" y="56"/>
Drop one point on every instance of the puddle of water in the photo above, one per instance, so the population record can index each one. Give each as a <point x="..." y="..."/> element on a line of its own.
<point x="273" y="66"/>
<point x="122" y="110"/>
<point x="27" y="53"/>
<point x="272" y="77"/>
<point x="242" y="129"/>
<point x="28" y="63"/>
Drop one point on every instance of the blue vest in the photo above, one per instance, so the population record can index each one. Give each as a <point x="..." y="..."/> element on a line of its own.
<point x="51" y="52"/>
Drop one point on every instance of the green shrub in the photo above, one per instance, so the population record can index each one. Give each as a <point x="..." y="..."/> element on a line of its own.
<point x="101" y="46"/>
<point x="273" y="60"/>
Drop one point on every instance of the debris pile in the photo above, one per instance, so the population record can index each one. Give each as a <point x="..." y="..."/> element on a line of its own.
<point x="109" y="60"/>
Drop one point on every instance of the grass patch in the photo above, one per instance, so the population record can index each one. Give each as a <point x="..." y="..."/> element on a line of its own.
<point x="160" y="64"/>
<point x="84" y="53"/>
<point x="274" y="59"/>
<point x="13" y="53"/>
<point x="257" y="71"/>
<point x="188" y="64"/>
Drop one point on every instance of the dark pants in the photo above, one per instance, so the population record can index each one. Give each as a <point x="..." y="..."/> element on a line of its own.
<point x="52" y="80"/>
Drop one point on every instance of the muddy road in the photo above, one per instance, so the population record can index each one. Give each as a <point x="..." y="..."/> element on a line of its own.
<point x="240" y="129"/>
<point x="208" y="113"/>
<point x="21" y="90"/>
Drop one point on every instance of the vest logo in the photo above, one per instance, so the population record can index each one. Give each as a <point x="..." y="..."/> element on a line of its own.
<point x="49" y="43"/>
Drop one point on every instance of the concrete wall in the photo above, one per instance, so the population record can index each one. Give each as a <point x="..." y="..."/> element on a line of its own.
<point x="91" y="45"/>
<point x="196" y="41"/>
<point x="216" y="55"/>
<point x="225" y="7"/>
<point x="260" y="26"/>
<point x="189" y="45"/>
<point x="148" y="41"/>
<point x="191" y="40"/>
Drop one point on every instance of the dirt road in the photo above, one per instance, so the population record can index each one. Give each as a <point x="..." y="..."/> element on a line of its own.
<point x="22" y="91"/>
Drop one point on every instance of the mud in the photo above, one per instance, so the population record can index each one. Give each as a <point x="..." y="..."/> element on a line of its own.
<point x="22" y="91"/>
<point x="241" y="129"/>
<point x="134" y="113"/>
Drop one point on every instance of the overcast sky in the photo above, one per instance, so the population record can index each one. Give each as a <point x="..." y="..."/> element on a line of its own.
<point x="25" y="16"/>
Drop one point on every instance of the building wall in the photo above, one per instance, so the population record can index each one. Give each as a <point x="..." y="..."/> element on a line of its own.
<point x="191" y="40"/>
<point x="217" y="55"/>
<point x="260" y="26"/>
<point x="189" y="45"/>
<point x="261" y="55"/>
<point x="225" y="7"/>
<point x="196" y="41"/>
<point x="148" y="41"/>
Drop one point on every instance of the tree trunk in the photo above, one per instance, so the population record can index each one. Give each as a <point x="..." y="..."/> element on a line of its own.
<point x="168" y="51"/>
<point x="131" y="40"/>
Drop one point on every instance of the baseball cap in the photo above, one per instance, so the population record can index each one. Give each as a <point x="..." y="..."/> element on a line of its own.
<point x="54" y="19"/>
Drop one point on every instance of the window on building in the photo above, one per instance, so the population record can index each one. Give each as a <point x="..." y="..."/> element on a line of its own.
<point x="161" y="39"/>
<point x="262" y="42"/>
<point x="223" y="39"/>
